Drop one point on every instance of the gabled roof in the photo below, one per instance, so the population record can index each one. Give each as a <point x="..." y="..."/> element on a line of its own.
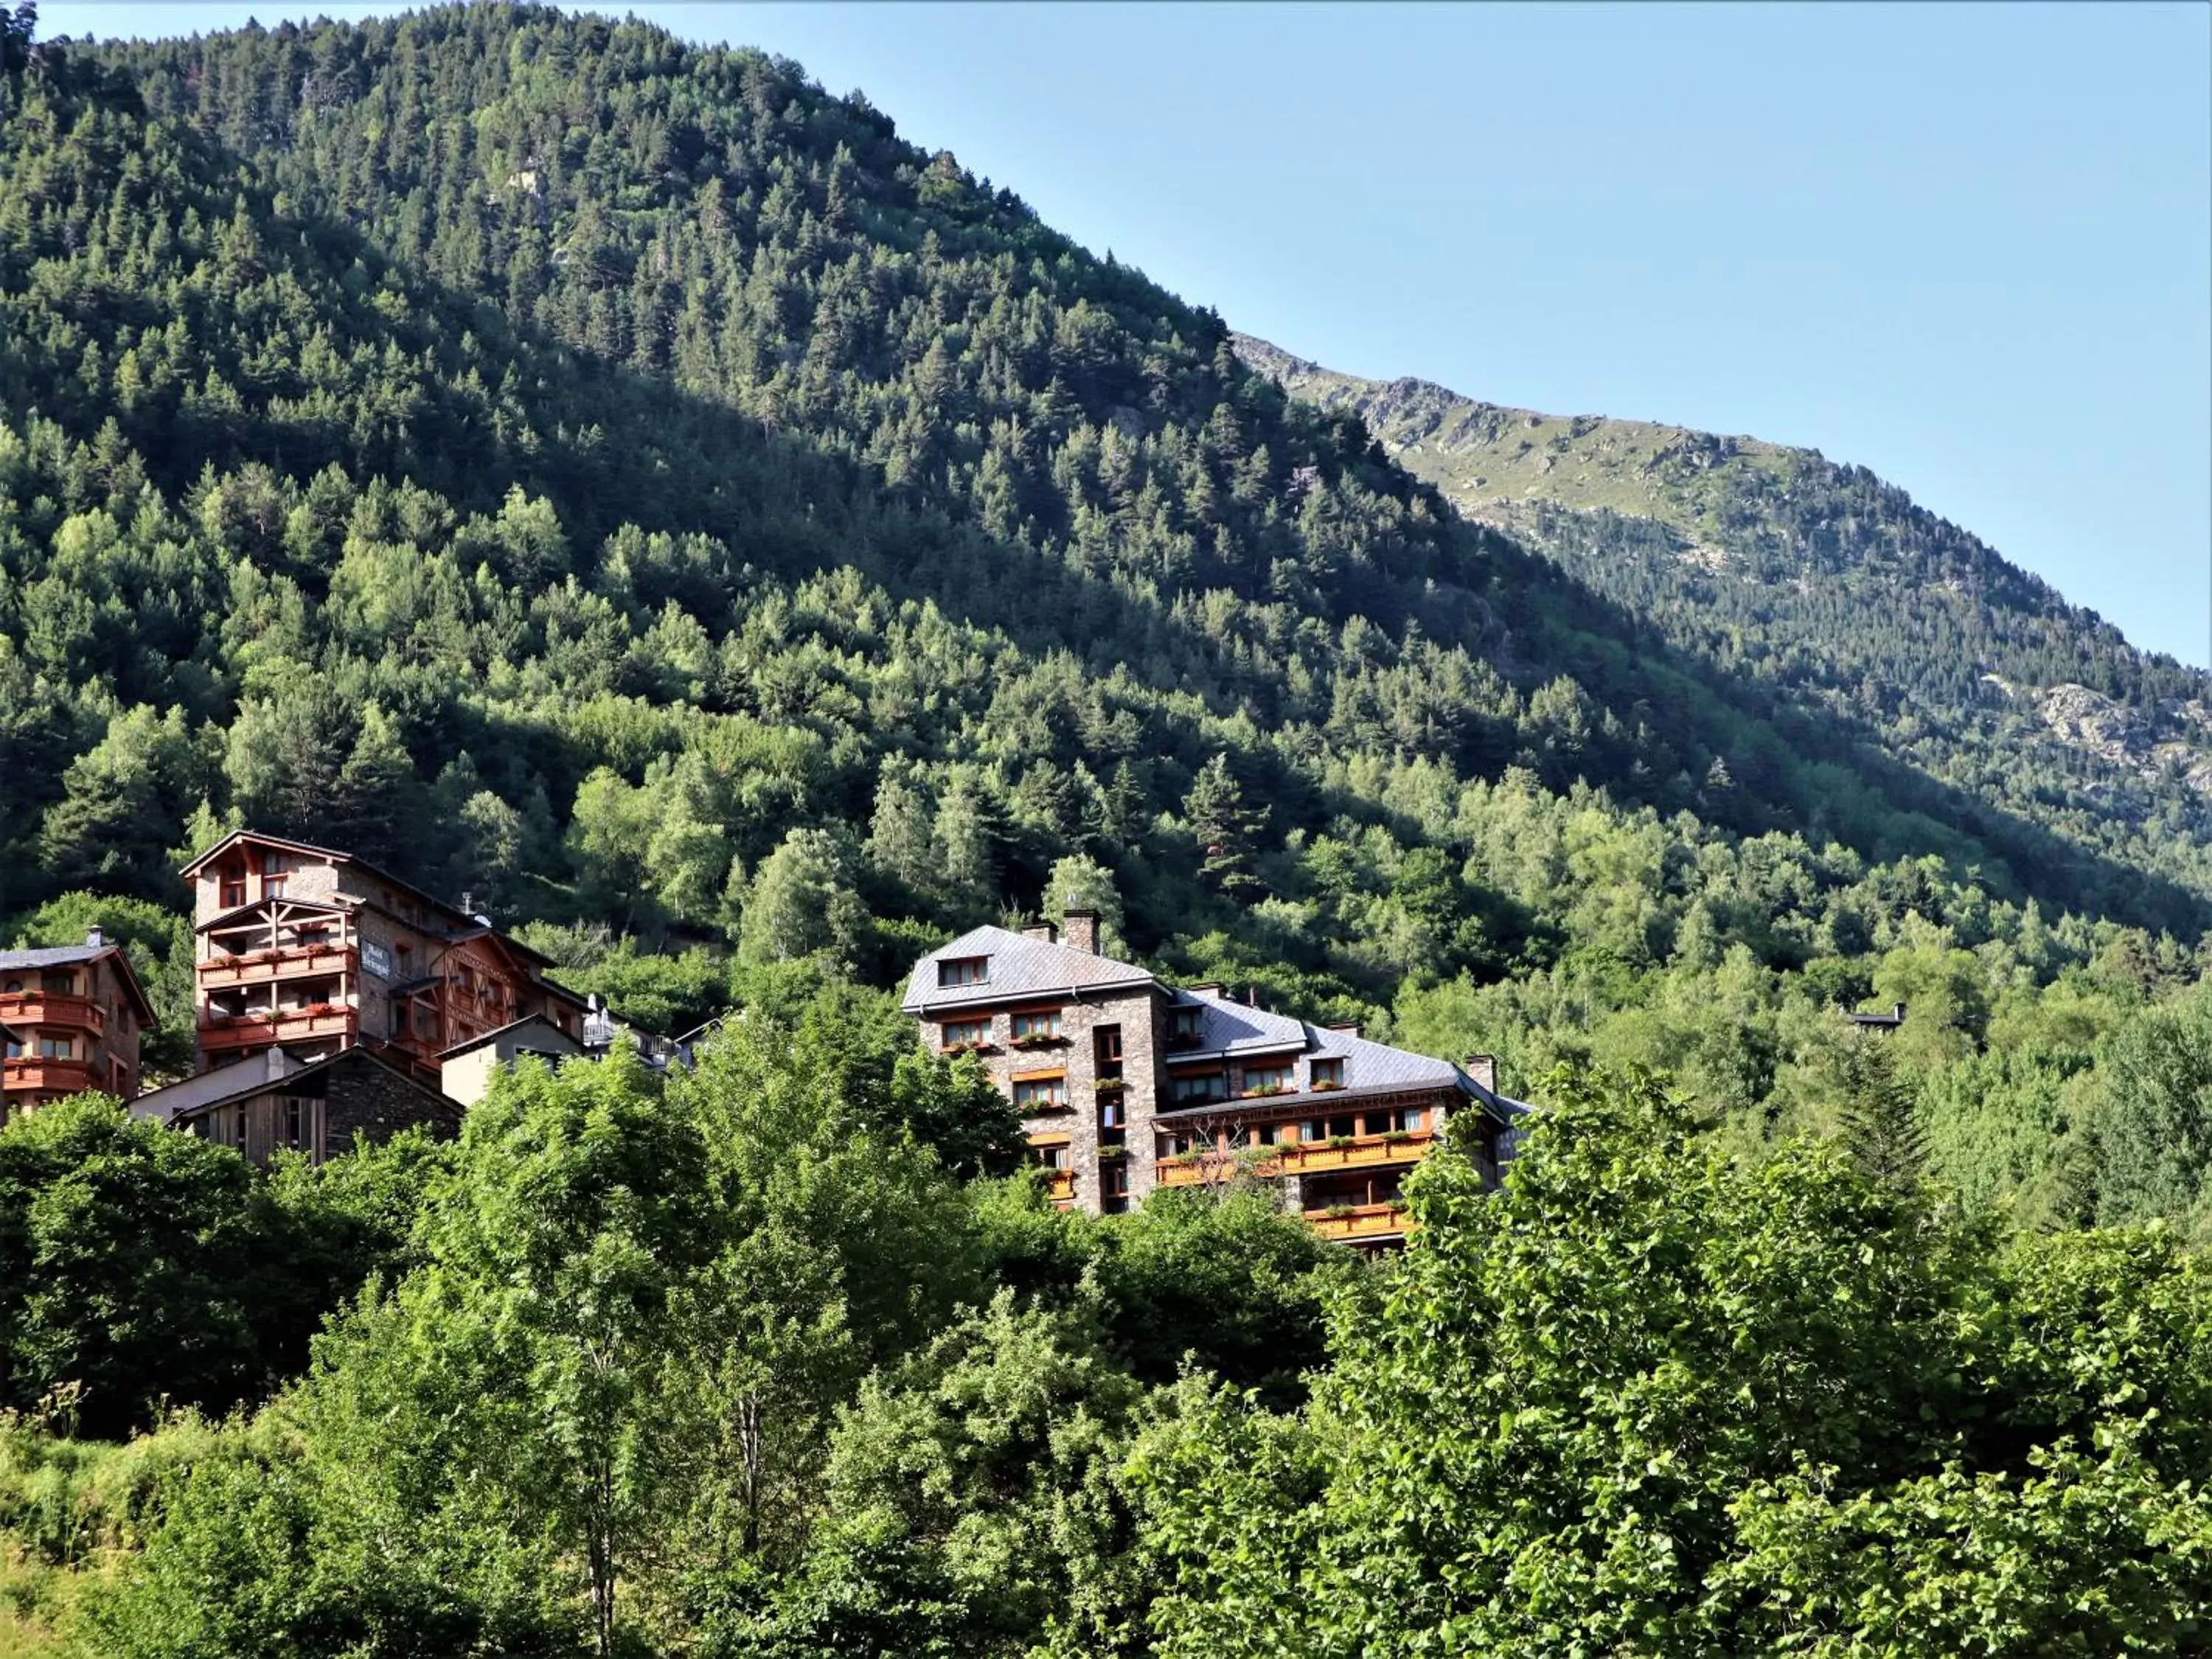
<point x="152" y="1105"/>
<point x="509" y="1030"/>
<point x="1019" y="966"/>
<point x="340" y="906"/>
<point x="335" y="856"/>
<point x="64" y="956"/>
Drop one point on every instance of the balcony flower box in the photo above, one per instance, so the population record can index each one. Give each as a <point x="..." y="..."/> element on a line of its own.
<point x="1342" y="1143"/>
<point x="1321" y="1085"/>
<point x="968" y="1048"/>
<point x="1266" y="1089"/>
<point x="1110" y="1086"/>
<point x="1107" y="1154"/>
<point x="1396" y="1137"/>
<point x="1040" y="1040"/>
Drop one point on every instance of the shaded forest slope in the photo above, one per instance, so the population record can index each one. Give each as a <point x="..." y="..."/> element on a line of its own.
<point x="616" y="478"/>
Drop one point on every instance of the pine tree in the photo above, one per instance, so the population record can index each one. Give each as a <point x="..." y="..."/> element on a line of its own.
<point x="1880" y="1117"/>
<point x="1224" y="826"/>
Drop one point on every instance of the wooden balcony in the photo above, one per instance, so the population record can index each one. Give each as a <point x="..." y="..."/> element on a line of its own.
<point x="54" y="1077"/>
<point x="263" y="1026"/>
<point x="1361" y="1223"/>
<point x="1311" y="1158"/>
<point x="259" y="966"/>
<point x="1059" y="1187"/>
<point x="53" y="1011"/>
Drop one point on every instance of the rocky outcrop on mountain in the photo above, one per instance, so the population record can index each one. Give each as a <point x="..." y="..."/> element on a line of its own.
<point x="2170" y="739"/>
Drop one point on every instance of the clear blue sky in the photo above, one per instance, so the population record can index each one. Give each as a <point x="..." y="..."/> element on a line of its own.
<point x="1969" y="248"/>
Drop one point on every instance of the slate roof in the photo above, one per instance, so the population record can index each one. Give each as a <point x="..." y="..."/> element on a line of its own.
<point x="1019" y="966"/>
<point x="1024" y="967"/>
<point x="51" y="956"/>
<point x="59" y="956"/>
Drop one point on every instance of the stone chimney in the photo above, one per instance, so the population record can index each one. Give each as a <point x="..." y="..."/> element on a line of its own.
<point x="1043" y="931"/>
<point x="94" y="938"/>
<point x="1349" y="1028"/>
<point x="1483" y="1068"/>
<point x="1210" y="988"/>
<point x="1082" y="930"/>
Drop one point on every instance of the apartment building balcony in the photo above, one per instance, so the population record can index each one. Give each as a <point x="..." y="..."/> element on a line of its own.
<point x="58" y="1077"/>
<point x="51" y="1010"/>
<point x="1355" y="1223"/>
<point x="1060" y="1188"/>
<point x="259" y="1027"/>
<point x="1303" y="1158"/>
<point x="288" y="961"/>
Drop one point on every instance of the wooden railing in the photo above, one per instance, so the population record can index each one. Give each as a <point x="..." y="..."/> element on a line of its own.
<point x="54" y="1076"/>
<point x="53" y="1008"/>
<point x="1059" y="1187"/>
<point x="1361" y="1221"/>
<point x="1303" y="1158"/>
<point x="289" y="961"/>
<point x="258" y="1025"/>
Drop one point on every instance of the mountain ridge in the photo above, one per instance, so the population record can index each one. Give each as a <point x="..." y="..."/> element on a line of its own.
<point x="2142" y="714"/>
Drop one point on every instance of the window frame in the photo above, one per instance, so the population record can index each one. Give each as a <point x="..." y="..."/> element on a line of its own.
<point x="1056" y="1100"/>
<point x="954" y="972"/>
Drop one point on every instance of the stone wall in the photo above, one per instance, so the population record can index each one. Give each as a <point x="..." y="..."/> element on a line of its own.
<point x="1076" y="1055"/>
<point x="364" y="1100"/>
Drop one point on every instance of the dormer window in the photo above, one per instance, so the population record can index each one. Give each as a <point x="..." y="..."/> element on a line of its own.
<point x="1328" y="1074"/>
<point x="1184" y="1026"/>
<point x="964" y="970"/>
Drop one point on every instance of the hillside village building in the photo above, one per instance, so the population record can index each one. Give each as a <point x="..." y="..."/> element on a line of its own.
<point x="278" y="1102"/>
<point x="71" y="1017"/>
<point x="314" y="951"/>
<point x="1125" y="1083"/>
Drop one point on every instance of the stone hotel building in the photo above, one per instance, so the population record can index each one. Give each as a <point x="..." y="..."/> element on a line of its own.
<point x="1125" y="1083"/>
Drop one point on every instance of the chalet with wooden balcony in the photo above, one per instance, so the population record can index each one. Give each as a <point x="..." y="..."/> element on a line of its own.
<point x="1126" y="1083"/>
<point x="71" y="1017"/>
<point x="314" y="950"/>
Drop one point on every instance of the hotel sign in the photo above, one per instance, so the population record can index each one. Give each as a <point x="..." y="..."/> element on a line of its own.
<point x="376" y="959"/>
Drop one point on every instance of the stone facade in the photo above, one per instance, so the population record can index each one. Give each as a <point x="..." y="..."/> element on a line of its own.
<point x="319" y="1110"/>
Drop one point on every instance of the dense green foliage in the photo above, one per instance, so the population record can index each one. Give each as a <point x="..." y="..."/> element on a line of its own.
<point x="622" y="483"/>
<point x="1654" y="1401"/>
<point x="720" y="1369"/>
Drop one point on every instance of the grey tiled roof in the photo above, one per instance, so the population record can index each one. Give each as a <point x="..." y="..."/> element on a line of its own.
<point x="51" y="956"/>
<point x="1019" y="966"/>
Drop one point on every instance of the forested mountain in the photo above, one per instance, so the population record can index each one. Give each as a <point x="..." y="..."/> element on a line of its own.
<point x="1833" y="587"/>
<point x="618" y="481"/>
